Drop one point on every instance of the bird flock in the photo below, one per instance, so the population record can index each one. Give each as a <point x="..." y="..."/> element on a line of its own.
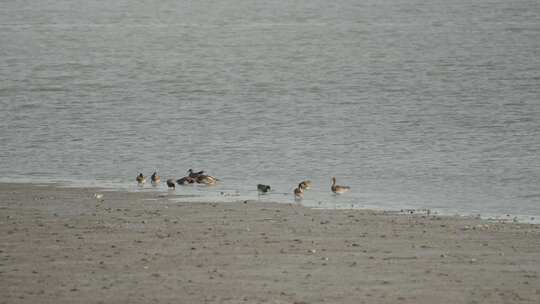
<point x="191" y="178"/>
<point x="209" y="180"/>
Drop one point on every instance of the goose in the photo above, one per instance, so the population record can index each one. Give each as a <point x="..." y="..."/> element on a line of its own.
<point x="155" y="179"/>
<point x="170" y="183"/>
<point x="141" y="179"/>
<point x="338" y="189"/>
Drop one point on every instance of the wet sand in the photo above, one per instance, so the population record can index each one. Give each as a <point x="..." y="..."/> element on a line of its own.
<point x="59" y="245"/>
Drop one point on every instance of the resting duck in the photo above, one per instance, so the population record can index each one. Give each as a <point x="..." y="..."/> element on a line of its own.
<point x="206" y="179"/>
<point x="263" y="188"/>
<point x="185" y="180"/>
<point x="195" y="174"/>
<point x="305" y="185"/>
<point x="170" y="183"/>
<point x="141" y="179"/>
<point x="338" y="189"/>
<point x="155" y="179"/>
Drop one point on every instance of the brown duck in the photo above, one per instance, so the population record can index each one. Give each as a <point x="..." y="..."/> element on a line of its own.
<point x="155" y="179"/>
<point x="206" y="179"/>
<point x="337" y="189"/>
<point x="141" y="179"/>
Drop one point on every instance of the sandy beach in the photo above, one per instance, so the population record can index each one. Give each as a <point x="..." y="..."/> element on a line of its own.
<point x="60" y="245"/>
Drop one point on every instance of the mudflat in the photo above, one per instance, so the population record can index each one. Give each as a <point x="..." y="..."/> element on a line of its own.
<point x="62" y="245"/>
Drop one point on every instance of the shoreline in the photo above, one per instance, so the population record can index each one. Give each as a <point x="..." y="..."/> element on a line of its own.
<point x="61" y="245"/>
<point x="201" y="194"/>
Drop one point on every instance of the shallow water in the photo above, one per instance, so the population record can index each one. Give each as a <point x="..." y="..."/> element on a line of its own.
<point x="412" y="104"/>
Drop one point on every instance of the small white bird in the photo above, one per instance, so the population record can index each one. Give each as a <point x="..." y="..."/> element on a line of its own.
<point x="98" y="197"/>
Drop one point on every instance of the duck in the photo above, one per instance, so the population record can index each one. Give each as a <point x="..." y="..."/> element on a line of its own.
<point x="206" y="179"/>
<point x="195" y="174"/>
<point x="185" y="180"/>
<point x="263" y="188"/>
<point x="305" y="185"/>
<point x="155" y="179"/>
<point x="298" y="193"/>
<point x="141" y="179"/>
<point x="337" y="189"/>
<point x="170" y="183"/>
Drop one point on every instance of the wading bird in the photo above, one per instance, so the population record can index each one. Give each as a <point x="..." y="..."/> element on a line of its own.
<point x="263" y="188"/>
<point x="155" y="179"/>
<point x="141" y="179"/>
<point x="337" y="189"/>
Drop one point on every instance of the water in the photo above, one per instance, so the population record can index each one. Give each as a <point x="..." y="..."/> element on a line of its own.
<point x="413" y="104"/>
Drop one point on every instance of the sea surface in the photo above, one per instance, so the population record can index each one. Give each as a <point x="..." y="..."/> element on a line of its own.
<point x="413" y="104"/>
